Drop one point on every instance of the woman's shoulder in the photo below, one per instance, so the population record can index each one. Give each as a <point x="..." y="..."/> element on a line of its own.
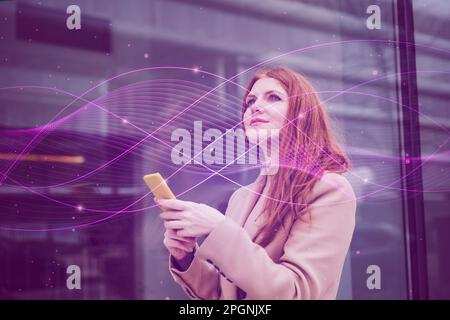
<point x="334" y="183"/>
<point x="244" y="190"/>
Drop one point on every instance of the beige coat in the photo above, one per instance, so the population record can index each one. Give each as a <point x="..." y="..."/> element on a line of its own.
<point x="304" y="262"/>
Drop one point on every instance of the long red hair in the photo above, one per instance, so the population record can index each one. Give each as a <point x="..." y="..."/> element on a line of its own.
<point x="307" y="148"/>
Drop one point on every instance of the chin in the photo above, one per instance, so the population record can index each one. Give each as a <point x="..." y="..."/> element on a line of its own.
<point x="252" y="136"/>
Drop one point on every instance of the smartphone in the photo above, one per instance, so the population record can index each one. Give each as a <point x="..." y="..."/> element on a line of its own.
<point x="158" y="186"/>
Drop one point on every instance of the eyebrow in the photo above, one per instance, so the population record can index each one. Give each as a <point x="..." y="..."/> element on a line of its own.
<point x="266" y="93"/>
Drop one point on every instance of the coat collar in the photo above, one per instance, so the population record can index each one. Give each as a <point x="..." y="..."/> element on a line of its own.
<point x="249" y="199"/>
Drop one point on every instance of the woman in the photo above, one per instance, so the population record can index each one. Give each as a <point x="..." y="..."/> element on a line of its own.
<point x="286" y="235"/>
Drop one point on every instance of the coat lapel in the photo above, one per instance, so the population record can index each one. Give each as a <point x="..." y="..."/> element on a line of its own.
<point x="248" y="203"/>
<point x="245" y="204"/>
<point x="240" y="212"/>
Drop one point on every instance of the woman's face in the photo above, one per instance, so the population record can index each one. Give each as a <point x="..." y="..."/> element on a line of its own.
<point x="266" y="107"/>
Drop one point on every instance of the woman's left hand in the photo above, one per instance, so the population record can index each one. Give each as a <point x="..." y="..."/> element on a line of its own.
<point x="189" y="219"/>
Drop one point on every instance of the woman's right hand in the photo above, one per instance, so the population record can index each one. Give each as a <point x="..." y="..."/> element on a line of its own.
<point x="179" y="247"/>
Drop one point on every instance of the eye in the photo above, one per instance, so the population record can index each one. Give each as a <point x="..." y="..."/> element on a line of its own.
<point x="274" y="98"/>
<point x="249" y="102"/>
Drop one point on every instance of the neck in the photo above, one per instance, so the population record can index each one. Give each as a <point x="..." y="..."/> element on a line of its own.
<point x="270" y="162"/>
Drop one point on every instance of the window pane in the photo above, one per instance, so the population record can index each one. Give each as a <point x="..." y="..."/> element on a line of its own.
<point x="432" y="34"/>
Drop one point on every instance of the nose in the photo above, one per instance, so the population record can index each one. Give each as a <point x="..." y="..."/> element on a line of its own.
<point x="256" y="107"/>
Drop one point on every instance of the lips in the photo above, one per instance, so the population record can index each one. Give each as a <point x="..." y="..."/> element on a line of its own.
<point x="257" y="121"/>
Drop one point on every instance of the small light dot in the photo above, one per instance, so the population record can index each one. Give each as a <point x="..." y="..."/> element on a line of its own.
<point x="146" y="55"/>
<point x="375" y="72"/>
<point x="129" y="45"/>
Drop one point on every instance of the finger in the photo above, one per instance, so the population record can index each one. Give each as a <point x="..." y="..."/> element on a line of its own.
<point x="171" y="215"/>
<point x="175" y="204"/>
<point x="183" y="239"/>
<point x="188" y="247"/>
<point x="184" y="233"/>
<point x="179" y="245"/>
<point x="174" y="224"/>
<point x="177" y="253"/>
<point x="171" y="233"/>
<point x="156" y="202"/>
